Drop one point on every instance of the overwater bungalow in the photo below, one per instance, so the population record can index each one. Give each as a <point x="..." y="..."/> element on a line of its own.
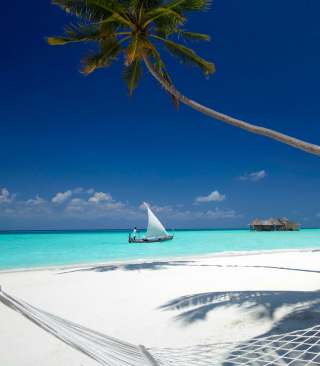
<point x="272" y="224"/>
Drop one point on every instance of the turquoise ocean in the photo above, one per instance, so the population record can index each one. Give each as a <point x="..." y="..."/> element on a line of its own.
<point x="27" y="249"/>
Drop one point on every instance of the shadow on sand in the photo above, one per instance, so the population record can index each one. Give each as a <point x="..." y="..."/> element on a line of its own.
<point x="293" y="339"/>
<point x="281" y="347"/>
<point x="306" y="305"/>
<point x="157" y="265"/>
<point x="134" y="266"/>
<point x="286" y="343"/>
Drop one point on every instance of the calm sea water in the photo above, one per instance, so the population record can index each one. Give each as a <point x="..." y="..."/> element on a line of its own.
<point x="49" y="248"/>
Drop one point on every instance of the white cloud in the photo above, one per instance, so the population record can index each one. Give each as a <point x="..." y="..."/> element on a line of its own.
<point x="306" y="219"/>
<point x="37" y="201"/>
<point x="294" y="212"/>
<point x="224" y="214"/>
<point x="215" y="214"/>
<point x="102" y="205"/>
<point x="100" y="196"/>
<point x="156" y="208"/>
<point x="76" y="202"/>
<point x="162" y="209"/>
<point x="5" y="195"/>
<point x="81" y="209"/>
<point x="171" y="213"/>
<point x="180" y="205"/>
<point x="214" y="196"/>
<point x="255" y="176"/>
<point x="61" y="197"/>
<point x="4" y="198"/>
<point x="78" y="190"/>
<point x="115" y="205"/>
<point x="89" y="191"/>
<point x="318" y="215"/>
<point x="74" y="208"/>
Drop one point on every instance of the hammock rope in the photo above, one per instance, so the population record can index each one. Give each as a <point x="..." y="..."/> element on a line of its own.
<point x="301" y="347"/>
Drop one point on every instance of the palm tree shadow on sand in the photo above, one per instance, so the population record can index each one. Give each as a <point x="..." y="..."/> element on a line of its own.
<point x="293" y="339"/>
<point x="155" y="265"/>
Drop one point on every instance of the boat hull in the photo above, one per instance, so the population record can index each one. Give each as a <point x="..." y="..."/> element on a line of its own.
<point x="131" y="240"/>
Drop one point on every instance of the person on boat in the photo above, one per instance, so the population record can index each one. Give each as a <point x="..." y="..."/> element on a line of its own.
<point x="135" y="231"/>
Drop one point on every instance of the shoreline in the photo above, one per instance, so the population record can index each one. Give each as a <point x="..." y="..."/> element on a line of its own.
<point x="140" y="261"/>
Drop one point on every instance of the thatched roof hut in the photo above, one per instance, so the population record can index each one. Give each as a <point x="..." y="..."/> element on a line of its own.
<point x="283" y="220"/>
<point x="275" y="222"/>
<point x="256" y="222"/>
<point x="267" y="223"/>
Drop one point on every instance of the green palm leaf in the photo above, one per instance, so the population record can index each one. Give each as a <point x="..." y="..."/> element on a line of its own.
<point x="161" y="68"/>
<point x="147" y="4"/>
<point x="108" y="52"/>
<point x="138" y="45"/>
<point x="112" y="24"/>
<point x="174" y="99"/>
<point x="131" y="75"/>
<point x="176" y="11"/>
<point x="164" y="17"/>
<point x="186" y="56"/>
<point x="92" y="10"/>
<point x="183" y="6"/>
<point x="125" y="21"/>
<point x="77" y="33"/>
<point x="190" y="36"/>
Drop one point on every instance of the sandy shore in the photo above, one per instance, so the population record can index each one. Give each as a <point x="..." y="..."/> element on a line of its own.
<point x="164" y="303"/>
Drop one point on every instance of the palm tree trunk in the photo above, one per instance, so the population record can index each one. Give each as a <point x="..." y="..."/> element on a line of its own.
<point x="311" y="148"/>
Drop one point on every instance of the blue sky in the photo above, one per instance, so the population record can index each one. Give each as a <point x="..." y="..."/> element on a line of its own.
<point x="92" y="156"/>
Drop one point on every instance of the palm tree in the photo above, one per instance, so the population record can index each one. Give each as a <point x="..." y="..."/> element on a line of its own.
<point x="136" y="28"/>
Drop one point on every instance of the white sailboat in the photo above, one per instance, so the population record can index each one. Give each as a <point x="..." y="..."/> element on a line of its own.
<point x="155" y="231"/>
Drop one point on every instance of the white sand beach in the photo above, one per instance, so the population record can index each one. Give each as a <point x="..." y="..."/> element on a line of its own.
<point x="163" y="303"/>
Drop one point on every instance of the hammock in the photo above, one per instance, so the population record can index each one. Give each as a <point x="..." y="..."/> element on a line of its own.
<point x="300" y="347"/>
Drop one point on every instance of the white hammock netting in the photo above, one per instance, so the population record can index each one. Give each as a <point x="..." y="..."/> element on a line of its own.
<point x="301" y="347"/>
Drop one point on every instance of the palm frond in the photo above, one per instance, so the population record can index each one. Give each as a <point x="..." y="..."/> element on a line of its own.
<point x="183" y="6"/>
<point x="113" y="23"/>
<point x="187" y="56"/>
<point x="164" y="17"/>
<point x="152" y="4"/>
<point x="161" y="68"/>
<point x="110" y="26"/>
<point x="136" y="48"/>
<point x="174" y="99"/>
<point x="146" y="4"/>
<point x="124" y="19"/>
<point x="132" y="74"/>
<point x="77" y="33"/>
<point x="92" y="10"/>
<point x="136" y="4"/>
<point x="175" y="11"/>
<point x="108" y="52"/>
<point x="190" y="36"/>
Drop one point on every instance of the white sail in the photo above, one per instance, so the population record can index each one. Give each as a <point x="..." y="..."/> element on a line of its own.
<point x="155" y="227"/>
